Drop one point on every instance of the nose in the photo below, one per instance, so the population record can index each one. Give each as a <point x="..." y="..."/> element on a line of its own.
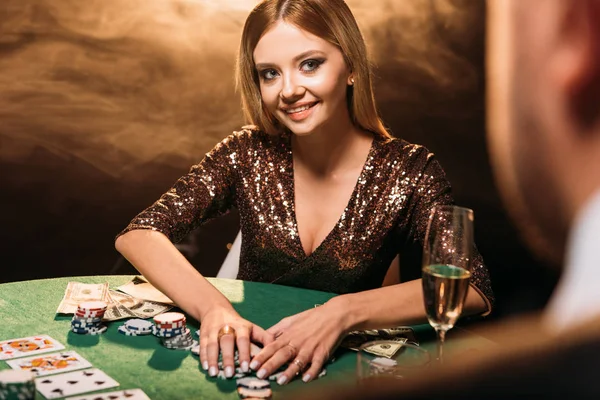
<point x="291" y="91"/>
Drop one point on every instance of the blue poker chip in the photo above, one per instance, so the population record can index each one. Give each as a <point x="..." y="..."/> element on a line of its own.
<point x="167" y="333"/>
<point x="139" y="324"/>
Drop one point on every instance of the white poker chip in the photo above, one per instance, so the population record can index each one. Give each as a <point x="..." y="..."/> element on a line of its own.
<point x="139" y="324"/>
<point x="384" y="362"/>
<point x="253" y="383"/>
<point x="93" y="306"/>
<point x="322" y="373"/>
<point x="196" y="349"/>
<point x="246" y="393"/>
<point x="275" y="376"/>
<point x="14" y="376"/>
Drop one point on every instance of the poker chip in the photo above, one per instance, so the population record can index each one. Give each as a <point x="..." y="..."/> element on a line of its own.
<point x="87" y="320"/>
<point x="253" y="383"/>
<point x="93" y="305"/>
<point x="90" y="331"/>
<point x="17" y="384"/>
<point x="139" y="325"/>
<point x="275" y="376"/>
<point x="167" y="333"/>
<point x="322" y="373"/>
<point x="128" y="332"/>
<point x="170" y="318"/>
<point x="196" y="349"/>
<point x="246" y="393"/>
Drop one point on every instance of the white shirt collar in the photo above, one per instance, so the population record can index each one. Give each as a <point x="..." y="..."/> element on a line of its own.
<point x="577" y="296"/>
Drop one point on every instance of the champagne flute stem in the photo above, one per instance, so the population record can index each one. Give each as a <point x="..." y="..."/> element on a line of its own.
<point x="441" y="334"/>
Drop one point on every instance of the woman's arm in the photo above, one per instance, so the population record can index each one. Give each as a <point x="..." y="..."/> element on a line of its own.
<point x="153" y="254"/>
<point x="392" y="306"/>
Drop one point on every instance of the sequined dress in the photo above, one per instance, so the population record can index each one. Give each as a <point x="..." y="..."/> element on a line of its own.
<point x="399" y="184"/>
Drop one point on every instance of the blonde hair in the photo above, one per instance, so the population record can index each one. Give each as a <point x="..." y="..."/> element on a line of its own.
<point x="330" y="20"/>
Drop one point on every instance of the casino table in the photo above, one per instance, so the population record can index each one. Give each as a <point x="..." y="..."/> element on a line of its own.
<point x="28" y="308"/>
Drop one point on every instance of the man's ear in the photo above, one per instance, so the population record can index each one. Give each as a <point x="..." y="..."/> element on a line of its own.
<point x="577" y="65"/>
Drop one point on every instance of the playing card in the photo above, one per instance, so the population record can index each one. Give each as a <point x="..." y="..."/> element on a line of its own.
<point x="130" y="394"/>
<point x="28" y="346"/>
<point x="75" y="382"/>
<point x="51" y="363"/>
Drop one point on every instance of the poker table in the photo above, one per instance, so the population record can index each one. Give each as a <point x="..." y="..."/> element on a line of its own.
<point x="28" y="308"/>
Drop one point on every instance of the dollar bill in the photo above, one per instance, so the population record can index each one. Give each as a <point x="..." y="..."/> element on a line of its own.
<point x="140" y="288"/>
<point x="78" y="292"/>
<point x="388" y="349"/>
<point x="125" y="306"/>
<point x="401" y="335"/>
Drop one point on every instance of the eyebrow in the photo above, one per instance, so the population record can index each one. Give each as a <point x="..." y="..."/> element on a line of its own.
<point x="296" y="59"/>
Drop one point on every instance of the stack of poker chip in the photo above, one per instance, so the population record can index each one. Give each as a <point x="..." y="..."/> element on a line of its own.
<point x="17" y="384"/>
<point x="136" y="327"/>
<point x="254" y="388"/>
<point x="87" y="320"/>
<point x="171" y="329"/>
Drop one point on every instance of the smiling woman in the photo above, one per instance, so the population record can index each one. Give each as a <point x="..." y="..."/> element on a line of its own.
<point x="326" y="197"/>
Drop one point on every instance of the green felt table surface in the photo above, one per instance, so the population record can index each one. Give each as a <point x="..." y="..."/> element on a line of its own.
<point x="28" y="308"/>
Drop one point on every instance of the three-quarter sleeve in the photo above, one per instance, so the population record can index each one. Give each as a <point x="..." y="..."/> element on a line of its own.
<point x="432" y="188"/>
<point x="205" y="192"/>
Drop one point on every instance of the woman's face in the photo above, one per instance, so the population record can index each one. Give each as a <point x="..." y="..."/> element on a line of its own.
<point x="303" y="78"/>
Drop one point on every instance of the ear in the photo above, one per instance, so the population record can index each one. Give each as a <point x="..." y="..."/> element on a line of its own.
<point x="577" y="64"/>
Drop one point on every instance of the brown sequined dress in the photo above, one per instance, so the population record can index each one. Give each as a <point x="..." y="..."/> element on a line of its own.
<point x="399" y="184"/>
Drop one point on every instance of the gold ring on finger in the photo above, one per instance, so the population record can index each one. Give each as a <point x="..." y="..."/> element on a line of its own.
<point x="226" y="330"/>
<point x="299" y="363"/>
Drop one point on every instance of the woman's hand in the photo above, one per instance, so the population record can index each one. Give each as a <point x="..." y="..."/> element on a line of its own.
<point x="245" y="332"/>
<point x="304" y="340"/>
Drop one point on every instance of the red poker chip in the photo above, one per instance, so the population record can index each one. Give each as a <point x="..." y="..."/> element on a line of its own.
<point x="169" y="318"/>
<point x="175" y="325"/>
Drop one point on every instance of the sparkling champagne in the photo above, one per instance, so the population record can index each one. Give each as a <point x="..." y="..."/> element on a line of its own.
<point x="445" y="290"/>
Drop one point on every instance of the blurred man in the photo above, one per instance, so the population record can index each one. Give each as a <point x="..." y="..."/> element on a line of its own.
<point x="544" y="138"/>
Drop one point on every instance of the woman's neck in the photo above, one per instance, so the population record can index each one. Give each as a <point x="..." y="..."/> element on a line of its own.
<point x="332" y="149"/>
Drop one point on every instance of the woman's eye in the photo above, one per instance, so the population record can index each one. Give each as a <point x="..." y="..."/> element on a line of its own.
<point x="268" y="74"/>
<point x="311" y="65"/>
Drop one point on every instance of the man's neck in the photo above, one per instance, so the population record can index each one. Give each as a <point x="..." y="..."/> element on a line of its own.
<point x="577" y="298"/>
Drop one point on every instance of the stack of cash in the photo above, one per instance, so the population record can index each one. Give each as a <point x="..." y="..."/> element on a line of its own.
<point x="120" y="305"/>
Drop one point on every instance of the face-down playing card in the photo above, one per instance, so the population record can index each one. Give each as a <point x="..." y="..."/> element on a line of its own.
<point x="51" y="363"/>
<point x="75" y="382"/>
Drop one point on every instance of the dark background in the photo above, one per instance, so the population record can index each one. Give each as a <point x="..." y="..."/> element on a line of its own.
<point x="105" y="103"/>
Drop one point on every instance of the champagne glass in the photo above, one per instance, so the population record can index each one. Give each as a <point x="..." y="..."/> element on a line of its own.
<point x="447" y="253"/>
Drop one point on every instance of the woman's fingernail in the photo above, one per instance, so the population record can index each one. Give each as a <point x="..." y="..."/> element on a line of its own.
<point x="205" y="365"/>
<point x="229" y="372"/>
<point x="212" y="371"/>
<point x="282" y="380"/>
<point x="261" y="374"/>
<point x="245" y="366"/>
<point x="306" y="378"/>
<point x="254" y="364"/>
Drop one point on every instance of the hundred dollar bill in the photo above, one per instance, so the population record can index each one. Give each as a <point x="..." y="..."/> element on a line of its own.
<point x="140" y="288"/>
<point x="125" y="306"/>
<point x="78" y="292"/>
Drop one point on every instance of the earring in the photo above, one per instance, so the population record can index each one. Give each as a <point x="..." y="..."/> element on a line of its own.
<point x="351" y="81"/>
